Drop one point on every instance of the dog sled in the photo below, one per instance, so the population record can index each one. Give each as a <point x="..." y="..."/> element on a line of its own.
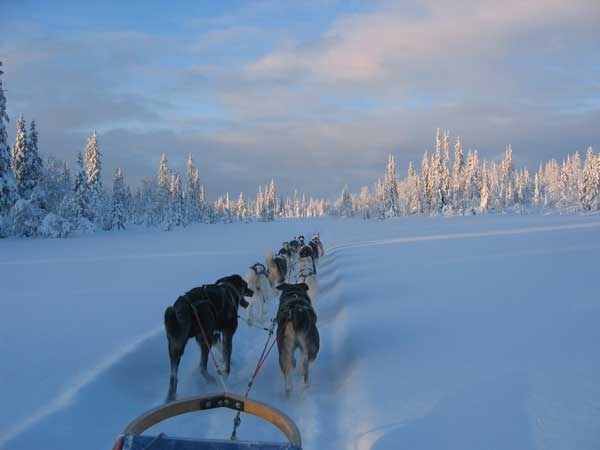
<point x="132" y="438"/>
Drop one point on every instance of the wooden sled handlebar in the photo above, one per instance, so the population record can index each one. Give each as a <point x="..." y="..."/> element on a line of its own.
<point x="222" y="400"/>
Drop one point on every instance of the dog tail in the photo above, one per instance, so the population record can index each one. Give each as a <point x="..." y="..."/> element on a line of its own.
<point x="268" y="255"/>
<point x="171" y="323"/>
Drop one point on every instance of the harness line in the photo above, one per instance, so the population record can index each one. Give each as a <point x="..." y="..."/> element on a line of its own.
<point x="261" y="360"/>
<point x="208" y="346"/>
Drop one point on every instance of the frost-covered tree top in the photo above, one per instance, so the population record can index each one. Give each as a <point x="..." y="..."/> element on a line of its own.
<point x="19" y="156"/>
<point x="92" y="164"/>
<point x="8" y="189"/>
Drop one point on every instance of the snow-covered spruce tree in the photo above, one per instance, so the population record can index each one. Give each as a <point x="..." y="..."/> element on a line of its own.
<point x="506" y="184"/>
<point x="446" y="181"/>
<point x="458" y="178"/>
<point x="8" y="188"/>
<point x="35" y="168"/>
<point x="175" y="215"/>
<point x="425" y="185"/>
<point x="241" y="208"/>
<point x="436" y="174"/>
<point x="19" y="158"/>
<point x="408" y="192"/>
<point x="271" y="202"/>
<point x="472" y="182"/>
<point x="390" y="190"/>
<point x="193" y="207"/>
<point x="119" y="202"/>
<point x="551" y="184"/>
<point x="590" y="189"/>
<point x="538" y="194"/>
<point x="344" y="203"/>
<point x="364" y="202"/>
<point x="76" y="206"/>
<point x="93" y="177"/>
<point x="485" y="190"/>
<point x="162" y="200"/>
<point x="56" y="182"/>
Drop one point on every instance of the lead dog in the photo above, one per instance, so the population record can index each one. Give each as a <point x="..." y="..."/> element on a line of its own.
<point x="203" y="313"/>
<point x="296" y="329"/>
<point x="317" y="240"/>
<point x="258" y="281"/>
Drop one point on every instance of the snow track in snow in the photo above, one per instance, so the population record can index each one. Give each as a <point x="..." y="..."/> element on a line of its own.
<point x="473" y="235"/>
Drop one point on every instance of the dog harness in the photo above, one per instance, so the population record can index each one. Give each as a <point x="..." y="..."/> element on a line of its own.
<point x="304" y="274"/>
<point x="294" y="300"/>
<point x="259" y="269"/>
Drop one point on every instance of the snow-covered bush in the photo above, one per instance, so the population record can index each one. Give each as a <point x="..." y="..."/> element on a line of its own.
<point x="54" y="226"/>
<point x="24" y="219"/>
<point x="83" y="226"/>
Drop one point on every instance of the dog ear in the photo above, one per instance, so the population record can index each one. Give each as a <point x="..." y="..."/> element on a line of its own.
<point x="282" y="286"/>
<point x="303" y="286"/>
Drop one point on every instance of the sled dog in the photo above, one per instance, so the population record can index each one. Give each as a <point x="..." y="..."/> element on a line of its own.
<point x="204" y="313"/>
<point x="296" y="329"/>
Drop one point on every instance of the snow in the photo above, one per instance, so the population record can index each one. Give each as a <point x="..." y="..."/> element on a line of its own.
<point x="455" y="333"/>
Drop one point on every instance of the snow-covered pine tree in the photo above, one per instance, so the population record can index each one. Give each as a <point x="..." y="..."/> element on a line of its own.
<point x="425" y="185"/>
<point x="485" y="190"/>
<point x="8" y="188"/>
<point x="446" y="181"/>
<point x="344" y="203"/>
<point x="436" y="174"/>
<point x="93" y="177"/>
<point x="176" y="211"/>
<point x="76" y="206"/>
<point x="56" y="182"/>
<point x="162" y="202"/>
<point x="537" y="187"/>
<point x="472" y="182"/>
<point x="119" y="202"/>
<point x="590" y="188"/>
<point x="271" y="202"/>
<point x="193" y="207"/>
<point x="506" y="193"/>
<point x="390" y="190"/>
<point x="458" y="177"/>
<point x="241" y="208"/>
<point x="552" y="189"/>
<point x="19" y="159"/>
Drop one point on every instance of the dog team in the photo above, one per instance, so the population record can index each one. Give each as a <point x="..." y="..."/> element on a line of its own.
<point x="209" y="313"/>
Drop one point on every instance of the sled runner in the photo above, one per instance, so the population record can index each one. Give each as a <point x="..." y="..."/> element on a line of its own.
<point x="131" y="438"/>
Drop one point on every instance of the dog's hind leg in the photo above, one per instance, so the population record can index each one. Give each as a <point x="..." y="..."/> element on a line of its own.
<point x="204" y="361"/>
<point x="175" y="353"/>
<point x="304" y="362"/>
<point x="286" y="360"/>
<point x="227" y="349"/>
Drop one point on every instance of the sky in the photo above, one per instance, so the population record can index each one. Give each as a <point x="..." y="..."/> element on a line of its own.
<point x="314" y="94"/>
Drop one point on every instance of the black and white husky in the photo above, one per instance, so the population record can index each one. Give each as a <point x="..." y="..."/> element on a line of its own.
<point x="307" y="275"/>
<point x="296" y="329"/>
<point x="258" y="281"/>
<point x="277" y="268"/>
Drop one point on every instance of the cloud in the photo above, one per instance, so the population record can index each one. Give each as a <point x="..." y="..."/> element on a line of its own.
<point x="315" y="106"/>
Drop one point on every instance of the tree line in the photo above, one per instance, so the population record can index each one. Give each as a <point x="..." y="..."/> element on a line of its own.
<point x="43" y="198"/>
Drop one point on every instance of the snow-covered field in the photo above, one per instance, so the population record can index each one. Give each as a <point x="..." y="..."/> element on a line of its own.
<point x="436" y="333"/>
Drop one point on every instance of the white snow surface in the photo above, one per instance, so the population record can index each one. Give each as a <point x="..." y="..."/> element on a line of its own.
<point x="436" y="333"/>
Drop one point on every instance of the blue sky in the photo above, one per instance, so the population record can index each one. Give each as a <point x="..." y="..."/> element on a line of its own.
<point x="312" y="93"/>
